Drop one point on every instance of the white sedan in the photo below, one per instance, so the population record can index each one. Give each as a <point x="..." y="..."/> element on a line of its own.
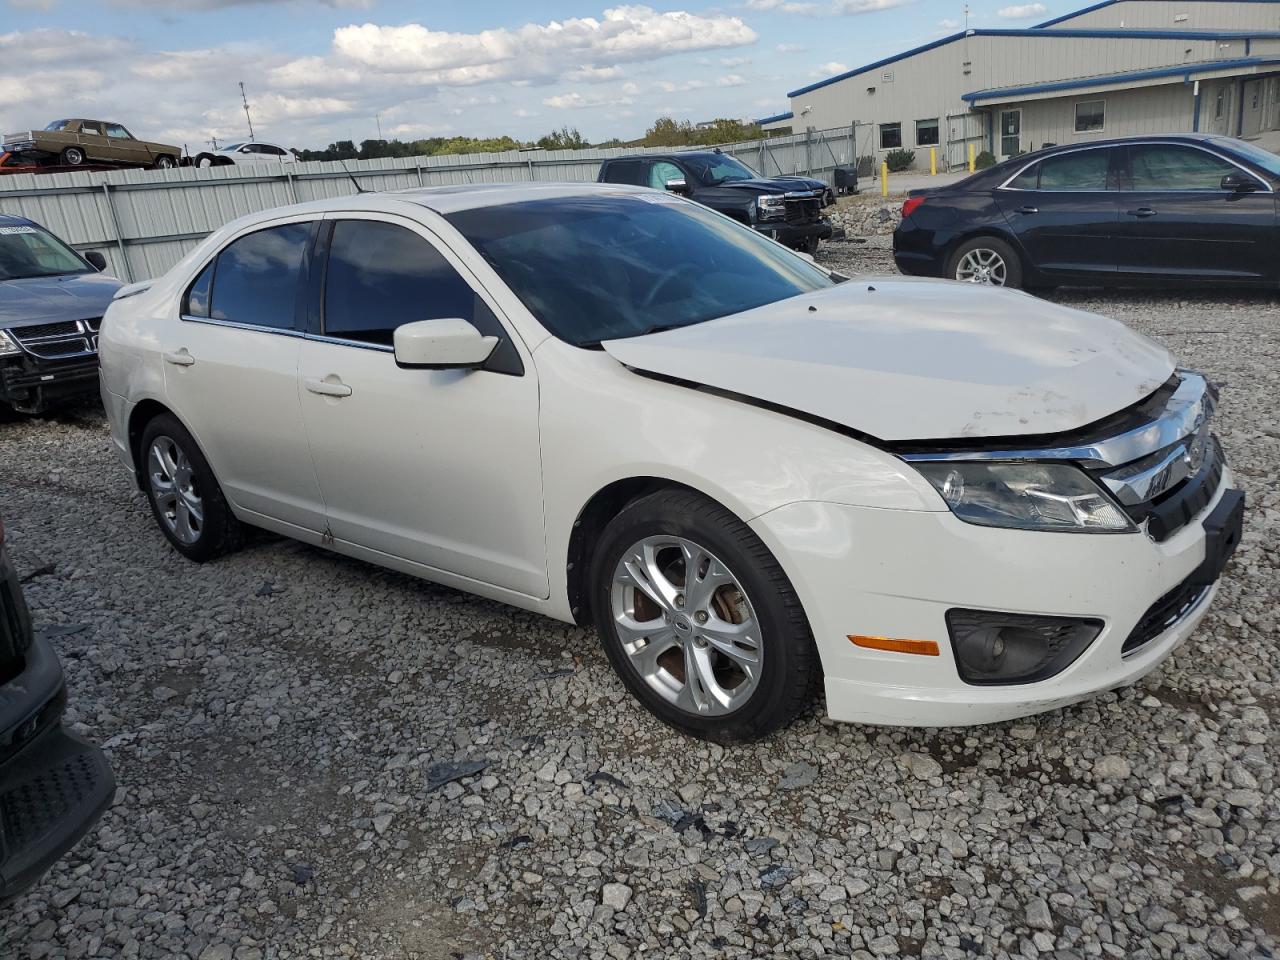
<point x="946" y="504"/>
<point x="251" y="152"/>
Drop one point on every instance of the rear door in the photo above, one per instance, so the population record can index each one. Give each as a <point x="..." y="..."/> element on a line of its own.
<point x="94" y="141"/>
<point x="1176" y="220"/>
<point x="1064" y="209"/>
<point x="231" y="371"/>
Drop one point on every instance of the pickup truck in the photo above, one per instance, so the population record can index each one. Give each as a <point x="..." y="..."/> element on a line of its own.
<point x="74" y="143"/>
<point x="788" y="209"/>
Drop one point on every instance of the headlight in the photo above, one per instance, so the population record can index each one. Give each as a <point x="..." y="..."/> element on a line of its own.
<point x="7" y="347"/>
<point x="771" y="207"/>
<point x="1026" y="496"/>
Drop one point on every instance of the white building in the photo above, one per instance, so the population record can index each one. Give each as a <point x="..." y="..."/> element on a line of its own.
<point x="1118" y="68"/>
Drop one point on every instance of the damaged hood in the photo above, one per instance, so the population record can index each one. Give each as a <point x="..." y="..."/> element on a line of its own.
<point x="908" y="359"/>
<point x="68" y="296"/>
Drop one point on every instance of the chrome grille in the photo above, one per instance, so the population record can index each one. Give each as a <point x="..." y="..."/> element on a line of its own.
<point x="803" y="209"/>
<point x="59" y="341"/>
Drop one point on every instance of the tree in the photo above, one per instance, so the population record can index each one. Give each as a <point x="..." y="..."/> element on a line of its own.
<point x="565" y="138"/>
<point x="667" y="132"/>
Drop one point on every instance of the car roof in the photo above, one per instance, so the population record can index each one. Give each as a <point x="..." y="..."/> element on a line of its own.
<point x="673" y="153"/>
<point x="455" y="197"/>
<point x="8" y="220"/>
<point x="1120" y="141"/>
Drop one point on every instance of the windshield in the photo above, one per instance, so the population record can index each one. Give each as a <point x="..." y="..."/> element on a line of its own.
<point x="56" y="126"/>
<point x="719" y="168"/>
<point x="593" y="268"/>
<point x="1268" y="161"/>
<point x="27" y="251"/>
<point x="232" y="146"/>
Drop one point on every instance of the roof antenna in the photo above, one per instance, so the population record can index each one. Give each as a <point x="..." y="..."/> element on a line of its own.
<point x="354" y="182"/>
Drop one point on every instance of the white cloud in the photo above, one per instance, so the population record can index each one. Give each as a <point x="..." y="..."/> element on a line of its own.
<point x="828" y="69"/>
<point x="1022" y="11"/>
<point x="732" y="80"/>
<point x="41" y="5"/>
<point x="622" y="34"/>
<point x="734" y="61"/>
<point x="949" y="24"/>
<point x="577" y="101"/>
<point x="594" y="74"/>
<point x="668" y="86"/>
<point x="789" y="48"/>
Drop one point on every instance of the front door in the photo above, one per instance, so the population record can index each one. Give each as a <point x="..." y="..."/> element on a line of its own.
<point x="439" y="467"/>
<point x="231" y="372"/>
<point x="1177" y="221"/>
<point x="1010" y="133"/>
<point x="1063" y="211"/>
<point x="123" y="148"/>
<point x="1253" y="110"/>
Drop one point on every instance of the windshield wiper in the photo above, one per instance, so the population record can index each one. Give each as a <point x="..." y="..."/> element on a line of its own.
<point x="660" y="328"/>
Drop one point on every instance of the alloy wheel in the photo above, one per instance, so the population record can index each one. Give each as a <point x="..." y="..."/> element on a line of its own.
<point x="982" y="265"/>
<point x="174" y="489"/>
<point x="686" y="625"/>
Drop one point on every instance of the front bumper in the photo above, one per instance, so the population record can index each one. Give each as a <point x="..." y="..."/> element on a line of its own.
<point x="796" y="234"/>
<point x="895" y="573"/>
<point x="53" y="785"/>
<point x="32" y="385"/>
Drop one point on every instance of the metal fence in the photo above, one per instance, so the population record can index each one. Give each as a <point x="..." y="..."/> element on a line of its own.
<point x="145" y="221"/>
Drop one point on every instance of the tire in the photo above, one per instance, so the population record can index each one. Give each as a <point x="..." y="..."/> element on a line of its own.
<point x="746" y="596"/>
<point x="204" y="160"/>
<point x="217" y="530"/>
<point x="73" y="157"/>
<point x="165" y="162"/>
<point x="986" y="260"/>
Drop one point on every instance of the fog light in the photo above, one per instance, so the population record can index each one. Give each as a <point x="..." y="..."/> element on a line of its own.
<point x="992" y="647"/>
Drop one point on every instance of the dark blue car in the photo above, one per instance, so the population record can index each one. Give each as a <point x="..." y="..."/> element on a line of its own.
<point x="51" y="304"/>
<point x="1184" y="209"/>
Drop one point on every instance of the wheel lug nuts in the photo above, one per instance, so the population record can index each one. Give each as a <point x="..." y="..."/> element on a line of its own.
<point x="679" y="599"/>
<point x="701" y="616"/>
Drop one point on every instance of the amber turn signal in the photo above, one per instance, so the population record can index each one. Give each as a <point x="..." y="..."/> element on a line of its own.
<point x="925" y="648"/>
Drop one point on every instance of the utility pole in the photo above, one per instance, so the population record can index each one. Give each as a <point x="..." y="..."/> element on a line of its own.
<point x="245" y="101"/>
<point x="378" y="119"/>
<point x="212" y="141"/>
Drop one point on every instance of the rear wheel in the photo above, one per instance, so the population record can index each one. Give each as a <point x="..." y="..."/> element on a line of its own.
<point x="986" y="260"/>
<point x="185" y="497"/>
<point x="699" y="620"/>
<point x="73" y="157"/>
<point x="165" y="162"/>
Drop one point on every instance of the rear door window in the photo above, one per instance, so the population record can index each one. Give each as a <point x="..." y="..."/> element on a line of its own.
<point x="627" y="171"/>
<point x="257" y="278"/>
<point x="1081" y="170"/>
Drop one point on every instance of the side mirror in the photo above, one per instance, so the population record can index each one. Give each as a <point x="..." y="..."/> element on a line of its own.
<point x="96" y="260"/>
<point x="449" y="344"/>
<point x="1239" y="183"/>
<point x="677" y="186"/>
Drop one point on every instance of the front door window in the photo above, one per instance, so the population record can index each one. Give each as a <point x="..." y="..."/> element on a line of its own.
<point x="1010" y="133"/>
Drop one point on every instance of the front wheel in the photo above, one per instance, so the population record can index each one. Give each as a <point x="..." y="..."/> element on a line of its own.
<point x="165" y="162"/>
<point x="986" y="260"/>
<point x="699" y="620"/>
<point x="185" y="498"/>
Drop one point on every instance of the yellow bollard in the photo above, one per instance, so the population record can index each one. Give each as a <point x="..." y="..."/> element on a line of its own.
<point x="884" y="179"/>
<point x="933" y="161"/>
<point x="971" y="162"/>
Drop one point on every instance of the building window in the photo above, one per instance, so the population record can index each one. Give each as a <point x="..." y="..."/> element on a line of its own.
<point x="1090" y="115"/>
<point x="927" y="133"/>
<point x="890" y="136"/>
<point x="1219" y="105"/>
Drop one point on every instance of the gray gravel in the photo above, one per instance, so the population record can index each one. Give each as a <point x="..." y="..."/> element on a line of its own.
<point x="318" y="758"/>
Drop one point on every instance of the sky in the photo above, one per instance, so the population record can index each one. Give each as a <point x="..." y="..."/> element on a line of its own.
<point x="316" y="71"/>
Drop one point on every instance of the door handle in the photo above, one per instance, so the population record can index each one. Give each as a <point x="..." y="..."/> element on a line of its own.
<point x="1141" y="212"/>
<point x="327" y="388"/>
<point x="1028" y="209"/>
<point x="180" y="358"/>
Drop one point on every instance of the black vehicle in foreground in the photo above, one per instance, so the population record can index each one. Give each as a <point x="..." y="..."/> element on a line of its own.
<point x="1184" y="209"/>
<point x="53" y="785"/>
<point x="51" y="304"/>
<point x="788" y="209"/>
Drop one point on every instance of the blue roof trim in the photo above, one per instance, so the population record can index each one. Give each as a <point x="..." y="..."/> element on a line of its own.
<point x="774" y="119"/>
<point x="1053" y="34"/>
<point x="1108" y="3"/>
<point x="1184" y="70"/>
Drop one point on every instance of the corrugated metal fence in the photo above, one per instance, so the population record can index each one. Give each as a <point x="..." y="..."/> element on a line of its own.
<point x="145" y="221"/>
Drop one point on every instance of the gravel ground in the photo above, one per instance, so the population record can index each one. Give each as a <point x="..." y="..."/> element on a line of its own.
<point x="318" y="758"/>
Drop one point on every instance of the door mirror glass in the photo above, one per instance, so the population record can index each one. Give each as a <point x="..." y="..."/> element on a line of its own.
<point x="96" y="260"/>
<point x="1239" y="183"/>
<point x="447" y="344"/>
<point x="677" y="186"/>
